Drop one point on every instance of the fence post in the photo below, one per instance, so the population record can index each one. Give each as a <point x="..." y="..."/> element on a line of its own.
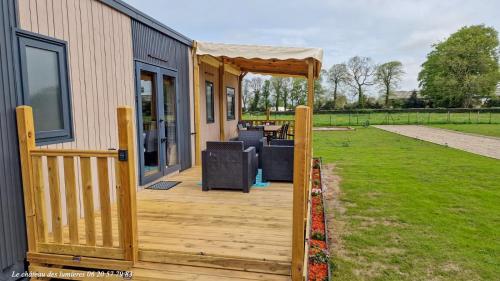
<point x="127" y="185"/>
<point x="299" y="187"/>
<point x="26" y="134"/>
<point x="448" y="117"/>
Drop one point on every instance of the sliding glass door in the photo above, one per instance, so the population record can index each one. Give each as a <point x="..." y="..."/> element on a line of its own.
<point x="157" y="121"/>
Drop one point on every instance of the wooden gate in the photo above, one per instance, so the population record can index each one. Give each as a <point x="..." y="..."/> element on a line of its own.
<point x="83" y="178"/>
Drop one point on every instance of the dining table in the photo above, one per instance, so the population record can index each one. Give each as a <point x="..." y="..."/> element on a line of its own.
<point x="272" y="129"/>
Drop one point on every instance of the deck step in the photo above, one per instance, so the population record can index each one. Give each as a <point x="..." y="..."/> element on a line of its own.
<point x="223" y="262"/>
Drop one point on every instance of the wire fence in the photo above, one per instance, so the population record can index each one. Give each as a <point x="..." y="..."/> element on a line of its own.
<point x="367" y="117"/>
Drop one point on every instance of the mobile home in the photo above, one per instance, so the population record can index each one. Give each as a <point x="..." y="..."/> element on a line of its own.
<point x="109" y="100"/>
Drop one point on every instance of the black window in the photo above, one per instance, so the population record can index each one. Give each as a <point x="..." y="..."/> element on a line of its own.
<point x="45" y="86"/>
<point x="209" y="92"/>
<point x="230" y="103"/>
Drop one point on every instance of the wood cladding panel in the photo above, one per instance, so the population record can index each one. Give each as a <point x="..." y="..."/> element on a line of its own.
<point x="101" y="78"/>
<point x="100" y="63"/>
<point x="209" y="131"/>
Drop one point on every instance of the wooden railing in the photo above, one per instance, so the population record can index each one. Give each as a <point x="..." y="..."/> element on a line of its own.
<point x="87" y="177"/>
<point x="301" y="191"/>
<point x="291" y="128"/>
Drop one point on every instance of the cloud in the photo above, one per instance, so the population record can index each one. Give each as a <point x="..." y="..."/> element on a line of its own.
<point x="382" y="29"/>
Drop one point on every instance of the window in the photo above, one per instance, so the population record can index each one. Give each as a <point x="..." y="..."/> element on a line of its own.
<point x="230" y="103"/>
<point x="209" y="92"/>
<point x="45" y="81"/>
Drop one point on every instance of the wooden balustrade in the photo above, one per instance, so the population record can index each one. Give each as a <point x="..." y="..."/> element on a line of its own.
<point x="43" y="169"/>
<point x="258" y="122"/>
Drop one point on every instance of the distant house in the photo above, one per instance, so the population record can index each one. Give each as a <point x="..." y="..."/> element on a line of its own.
<point x="403" y="95"/>
<point x="398" y="98"/>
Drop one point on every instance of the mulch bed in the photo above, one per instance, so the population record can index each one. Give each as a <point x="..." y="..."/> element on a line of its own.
<point x="318" y="268"/>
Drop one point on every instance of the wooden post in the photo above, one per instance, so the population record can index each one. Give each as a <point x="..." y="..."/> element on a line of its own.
<point x="26" y="134"/>
<point x="240" y="96"/>
<point x="299" y="168"/>
<point x="222" y="99"/>
<point x="268" y="114"/>
<point x="196" y="100"/>
<point x="127" y="185"/>
<point x="310" y="97"/>
<point x="307" y="177"/>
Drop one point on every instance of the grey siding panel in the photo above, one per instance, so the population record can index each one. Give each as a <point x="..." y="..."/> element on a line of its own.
<point x="12" y="227"/>
<point x="154" y="47"/>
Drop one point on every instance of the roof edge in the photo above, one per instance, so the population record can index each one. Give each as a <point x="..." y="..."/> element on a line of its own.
<point x="142" y="17"/>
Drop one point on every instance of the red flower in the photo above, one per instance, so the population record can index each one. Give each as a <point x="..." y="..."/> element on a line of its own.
<point x="318" y="272"/>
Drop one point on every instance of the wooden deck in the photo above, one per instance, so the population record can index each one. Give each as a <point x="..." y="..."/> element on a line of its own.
<point x="219" y="228"/>
<point x="188" y="234"/>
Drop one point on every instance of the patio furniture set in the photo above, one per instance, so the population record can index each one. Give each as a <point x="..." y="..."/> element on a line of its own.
<point x="234" y="164"/>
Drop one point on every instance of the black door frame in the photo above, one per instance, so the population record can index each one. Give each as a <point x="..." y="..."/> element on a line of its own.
<point x="159" y="73"/>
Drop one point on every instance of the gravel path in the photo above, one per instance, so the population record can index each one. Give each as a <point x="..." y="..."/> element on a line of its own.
<point x="485" y="146"/>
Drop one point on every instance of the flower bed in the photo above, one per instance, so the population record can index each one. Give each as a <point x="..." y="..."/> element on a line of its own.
<point x="318" y="267"/>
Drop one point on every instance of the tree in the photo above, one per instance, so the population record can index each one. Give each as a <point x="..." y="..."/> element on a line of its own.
<point x="298" y="91"/>
<point x="414" y="101"/>
<point x="286" y="92"/>
<point x="246" y="95"/>
<point x="463" y="69"/>
<point x="256" y="87"/>
<point x="266" y="93"/>
<point x="337" y="75"/>
<point x="319" y="90"/>
<point x="278" y="84"/>
<point x="388" y="76"/>
<point x="360" y="72"/>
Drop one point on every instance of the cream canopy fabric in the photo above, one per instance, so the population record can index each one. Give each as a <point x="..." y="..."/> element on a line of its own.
<point x="258" y="52"/>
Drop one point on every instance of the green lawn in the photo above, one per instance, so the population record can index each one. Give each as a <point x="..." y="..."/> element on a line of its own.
<point x="413" y="210"/>
<point x="380" y="118"/>
<point x="480" y="129"/>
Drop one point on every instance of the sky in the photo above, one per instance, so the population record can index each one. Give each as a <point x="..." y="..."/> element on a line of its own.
<point x="383" y="30"/>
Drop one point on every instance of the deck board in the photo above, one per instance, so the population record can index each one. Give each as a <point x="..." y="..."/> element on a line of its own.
<point x="188" y="234"/>
<point x="219" y="223"/>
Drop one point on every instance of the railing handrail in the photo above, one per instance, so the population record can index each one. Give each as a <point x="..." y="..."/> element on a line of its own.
<point x="73" y="152"/>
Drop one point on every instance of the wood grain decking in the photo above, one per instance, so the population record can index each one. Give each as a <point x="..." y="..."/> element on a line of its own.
<point x="218" y="229"/>
<point x="187" y="234"/>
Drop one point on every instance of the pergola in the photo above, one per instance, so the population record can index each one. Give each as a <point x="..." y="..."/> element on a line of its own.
<point x="242" y="59"/>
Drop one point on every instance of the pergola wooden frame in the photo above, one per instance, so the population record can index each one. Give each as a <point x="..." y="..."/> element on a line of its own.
<point x="285" y="63"/>
<point x="292" y="62"/>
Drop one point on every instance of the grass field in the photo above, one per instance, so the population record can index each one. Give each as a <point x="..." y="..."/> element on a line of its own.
<point x="412" y="210"/>
<point x="480" y="129"/>
<point x="380" y="118"/>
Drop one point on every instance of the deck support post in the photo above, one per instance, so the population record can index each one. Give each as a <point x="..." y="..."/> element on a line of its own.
<point x="300" y="187"/>
<point x="26" y="134"/>
<point x="240" y="96"/>
<point x="310" y="91"/>
<point x="222" y="99"/>
<point x="127" y="183"/>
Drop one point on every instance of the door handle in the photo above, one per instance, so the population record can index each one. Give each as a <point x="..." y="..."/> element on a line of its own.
<point x="163" y="140"/>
